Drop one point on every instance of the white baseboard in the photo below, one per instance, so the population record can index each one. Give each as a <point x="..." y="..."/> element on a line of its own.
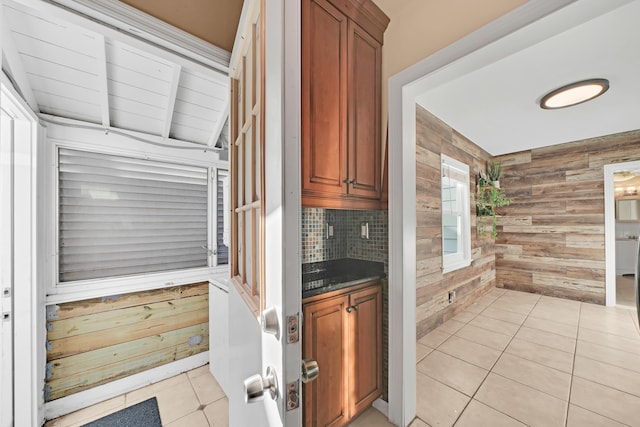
<point x="381" y="406"/>
<point x="83" y="399"/>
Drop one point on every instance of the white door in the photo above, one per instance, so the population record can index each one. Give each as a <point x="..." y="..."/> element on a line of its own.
<point x="6" y="269"/>
<point x="265" y="182"/>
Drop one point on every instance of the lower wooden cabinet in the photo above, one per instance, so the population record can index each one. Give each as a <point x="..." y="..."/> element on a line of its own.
<point x="343" y="332"/>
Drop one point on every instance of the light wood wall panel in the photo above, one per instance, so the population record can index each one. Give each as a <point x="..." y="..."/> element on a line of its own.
<point x="558" y="192"/>
<point x="92" y="342"/>
<point x="434" y="137"/>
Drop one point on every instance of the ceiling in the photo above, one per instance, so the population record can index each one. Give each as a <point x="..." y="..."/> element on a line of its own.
<point x="491" y="96"/>
<point x="69" y="66"/>
<point x="215" y="21"/>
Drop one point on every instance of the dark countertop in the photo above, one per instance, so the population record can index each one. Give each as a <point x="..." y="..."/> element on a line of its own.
<point x="326" y="276"/>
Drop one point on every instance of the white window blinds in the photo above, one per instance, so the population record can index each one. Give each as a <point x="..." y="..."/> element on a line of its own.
<point x="122" y="216"/>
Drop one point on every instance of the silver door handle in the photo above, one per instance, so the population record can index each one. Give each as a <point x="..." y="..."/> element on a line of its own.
<point x="310" y="370"/>
<point x="255" y="386"/>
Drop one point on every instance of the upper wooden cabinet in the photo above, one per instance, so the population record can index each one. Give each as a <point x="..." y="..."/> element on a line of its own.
<point x="341" y="85"/>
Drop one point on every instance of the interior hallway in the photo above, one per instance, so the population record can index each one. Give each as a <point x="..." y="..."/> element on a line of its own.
<point x="511" y="359"/>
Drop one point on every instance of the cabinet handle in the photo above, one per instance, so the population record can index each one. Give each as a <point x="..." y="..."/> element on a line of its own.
<point x="346" y="181"/>
<point x="353" y="182"/>
<point x="349" y="309"/>
<point x="355" y="307"/>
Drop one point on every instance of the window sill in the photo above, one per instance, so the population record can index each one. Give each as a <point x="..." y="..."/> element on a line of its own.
<point x="85" y="289"/>
<point x="455" y="266"/>
<point x="253" y="302"/>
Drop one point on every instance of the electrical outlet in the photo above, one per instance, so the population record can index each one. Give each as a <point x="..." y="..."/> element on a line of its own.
<point x="328" y="231"/>
<point x="364" y="230"/>
<point x="452" y="296"/>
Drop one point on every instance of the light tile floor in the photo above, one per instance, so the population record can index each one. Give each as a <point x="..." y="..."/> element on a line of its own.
<point x="192" y="399"/>
<point x="515" y="359"/>
<point x="511" y="359"/>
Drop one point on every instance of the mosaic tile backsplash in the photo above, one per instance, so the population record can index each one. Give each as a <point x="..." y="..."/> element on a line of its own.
<point x="346" y="241"/>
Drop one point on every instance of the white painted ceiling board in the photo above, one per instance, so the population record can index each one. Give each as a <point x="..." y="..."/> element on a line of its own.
<point x="71" y="68"/>
<point x="200" y="103"/>
<point x="495" y="103"/>
<point x="61" y="78"/>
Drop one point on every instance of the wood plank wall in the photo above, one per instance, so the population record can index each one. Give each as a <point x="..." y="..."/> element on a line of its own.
<point x="434" y="137"/>
<point x="551" y="238"/>
<point x="92" y="342"/>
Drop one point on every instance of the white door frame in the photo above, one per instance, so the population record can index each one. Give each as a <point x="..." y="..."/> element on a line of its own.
<point x="403" y="89"/>
<point x="28" y="309"/>
<point x="6" y="269"/>
<point x="282" y="195"/>
<point x="610" y="227"/>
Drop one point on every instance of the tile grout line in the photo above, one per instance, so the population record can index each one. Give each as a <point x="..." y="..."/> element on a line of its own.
<point x="491" y="370"/>
<point x="573" y="367"/>
<point x="573" y="375"/>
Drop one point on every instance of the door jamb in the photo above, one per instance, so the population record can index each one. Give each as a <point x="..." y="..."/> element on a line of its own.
<point x="28" y="313"/>
<point x="610" y="228"/>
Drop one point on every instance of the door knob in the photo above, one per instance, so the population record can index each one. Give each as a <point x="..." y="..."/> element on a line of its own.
<point x="255" y="386"/>
<point x="269" y="321"/>
<point x="310" y="370"/>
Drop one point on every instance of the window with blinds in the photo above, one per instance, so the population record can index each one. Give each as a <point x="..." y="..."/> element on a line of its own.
<point x="122" y="216"/>
<point x="456" y="224"/>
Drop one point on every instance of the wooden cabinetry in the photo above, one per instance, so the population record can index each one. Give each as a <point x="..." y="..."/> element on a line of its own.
<point x="343" y="332"/>
<point x="341" y="84"/>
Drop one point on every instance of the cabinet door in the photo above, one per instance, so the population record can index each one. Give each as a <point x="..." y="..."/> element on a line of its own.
<point x="325" y="335"/>
<point x="365" y="358"/>
<point x="364" y="80"/>
<point x="324" y="98"/>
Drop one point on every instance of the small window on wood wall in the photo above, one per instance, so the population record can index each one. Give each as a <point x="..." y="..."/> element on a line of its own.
<point x="456" y="224"/>
<point x="247" y="164"/>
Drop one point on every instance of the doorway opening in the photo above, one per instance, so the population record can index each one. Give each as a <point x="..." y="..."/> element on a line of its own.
<point x="622" y="228"/>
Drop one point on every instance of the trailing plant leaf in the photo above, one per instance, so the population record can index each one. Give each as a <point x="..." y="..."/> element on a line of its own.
<point x="488" y="198"/>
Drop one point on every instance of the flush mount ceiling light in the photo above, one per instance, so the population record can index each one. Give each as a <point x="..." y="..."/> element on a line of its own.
<point x="574" y="93"/>
<point x="623" y="176"/>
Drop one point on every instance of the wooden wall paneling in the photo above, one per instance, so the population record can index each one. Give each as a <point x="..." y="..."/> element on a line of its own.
<point x="72" y="384"/>
<point x="68" y="346"/>
<point x="433" y="138"/>
<point x="92" y="342"/>
<point x="114" y="302"/>
<point x="561" y="188"/>
<point x="99" y="321"/>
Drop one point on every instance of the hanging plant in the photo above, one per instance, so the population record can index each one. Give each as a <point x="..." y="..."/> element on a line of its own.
<point x="489" y="197"/>
<point x="494" y="172"/>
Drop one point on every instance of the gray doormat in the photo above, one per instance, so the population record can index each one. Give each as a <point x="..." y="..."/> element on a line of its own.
<point x="143" y="414"/>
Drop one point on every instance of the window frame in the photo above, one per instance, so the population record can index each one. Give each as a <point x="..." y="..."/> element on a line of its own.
<point x="247" y="123"/>
<point x="461" y="258"/>
<point x="69" y="135"/>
